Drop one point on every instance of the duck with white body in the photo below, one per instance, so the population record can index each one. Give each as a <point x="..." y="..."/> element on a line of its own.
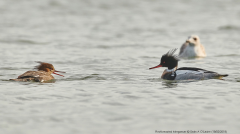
<point x="170" y="61"/>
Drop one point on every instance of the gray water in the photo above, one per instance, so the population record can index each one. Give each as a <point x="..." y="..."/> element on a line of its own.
<point x="106" y="48"/>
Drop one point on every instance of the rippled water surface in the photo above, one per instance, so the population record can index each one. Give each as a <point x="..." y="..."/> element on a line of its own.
<point x="106" y="48"/>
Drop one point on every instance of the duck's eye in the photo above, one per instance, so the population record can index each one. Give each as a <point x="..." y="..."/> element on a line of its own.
<point x="195" y="39"/>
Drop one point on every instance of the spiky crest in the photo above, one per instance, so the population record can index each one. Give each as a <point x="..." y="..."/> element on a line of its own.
<point x="43" y="65"/>
<point x="171" y="53"/>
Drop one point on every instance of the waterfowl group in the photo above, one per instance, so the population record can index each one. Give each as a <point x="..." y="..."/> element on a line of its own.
<point x="191" y="48"/>
<point x="170" y="61"/>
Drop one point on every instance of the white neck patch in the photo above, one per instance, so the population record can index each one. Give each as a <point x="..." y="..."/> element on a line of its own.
<point x="170" y="70"/>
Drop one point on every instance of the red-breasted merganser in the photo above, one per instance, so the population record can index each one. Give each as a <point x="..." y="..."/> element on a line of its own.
<point x="170" y="61"/>
<point x="192" y="48"/>
<point x="42" y="75"/>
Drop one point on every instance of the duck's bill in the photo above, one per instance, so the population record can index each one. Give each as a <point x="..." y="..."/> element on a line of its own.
<point x="59" y="71"/>
<point x="156" y="67"/>
<point x="58" y="74"/>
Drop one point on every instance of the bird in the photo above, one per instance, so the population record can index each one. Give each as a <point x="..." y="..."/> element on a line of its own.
<point x="192" y="48"/>
<point x="43" y="74"/>
<point x="172" y="72"/>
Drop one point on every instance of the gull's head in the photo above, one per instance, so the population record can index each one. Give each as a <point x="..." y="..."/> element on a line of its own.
<point x="193" y="40"/>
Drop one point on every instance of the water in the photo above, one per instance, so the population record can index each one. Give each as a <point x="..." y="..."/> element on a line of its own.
<point x="106" y="48"/>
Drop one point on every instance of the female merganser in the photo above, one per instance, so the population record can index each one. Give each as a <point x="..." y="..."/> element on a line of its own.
<point x="192" y="48"/>
<point x="42" y="75"/>
<point x="184" y="73"/>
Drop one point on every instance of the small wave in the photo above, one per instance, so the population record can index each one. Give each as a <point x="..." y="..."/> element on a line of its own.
<point x="22" y="41"/>
<point x="89" y="77"/>
<point x="93" y="77"/>
<point x="229" y="27"/>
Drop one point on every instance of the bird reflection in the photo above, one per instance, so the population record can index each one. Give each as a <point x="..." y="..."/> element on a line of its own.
<point x="169" y="83"/>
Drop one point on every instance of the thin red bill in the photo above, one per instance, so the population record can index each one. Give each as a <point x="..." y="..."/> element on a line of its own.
<point x="58" y="74"/>
<point x="59" y="71"/>
<point x="156" y="67"/>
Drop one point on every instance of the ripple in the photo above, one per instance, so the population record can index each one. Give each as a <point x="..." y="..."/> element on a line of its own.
<point x="113" y="103"/>
<point x="92" y="77"/>
<point x="119" y="119"/>
<point x="229" y="27"/>
<point x="22" y="41"/>
<point x="84" y="94"/>
<point x="60" y="96"/>
<point x="227" y="55"/>
<point x="237" y="79"/>
<point x="210" y="107"/>
<point x="194" y="98"/>
<point x="89" y="77"/>
<point x="132" y="97"/>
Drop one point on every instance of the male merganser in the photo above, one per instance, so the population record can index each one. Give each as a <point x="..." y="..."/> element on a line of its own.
<point x="184" y="73"/>
<point x="42" y="75"/>
<point x="192" y="48"/>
